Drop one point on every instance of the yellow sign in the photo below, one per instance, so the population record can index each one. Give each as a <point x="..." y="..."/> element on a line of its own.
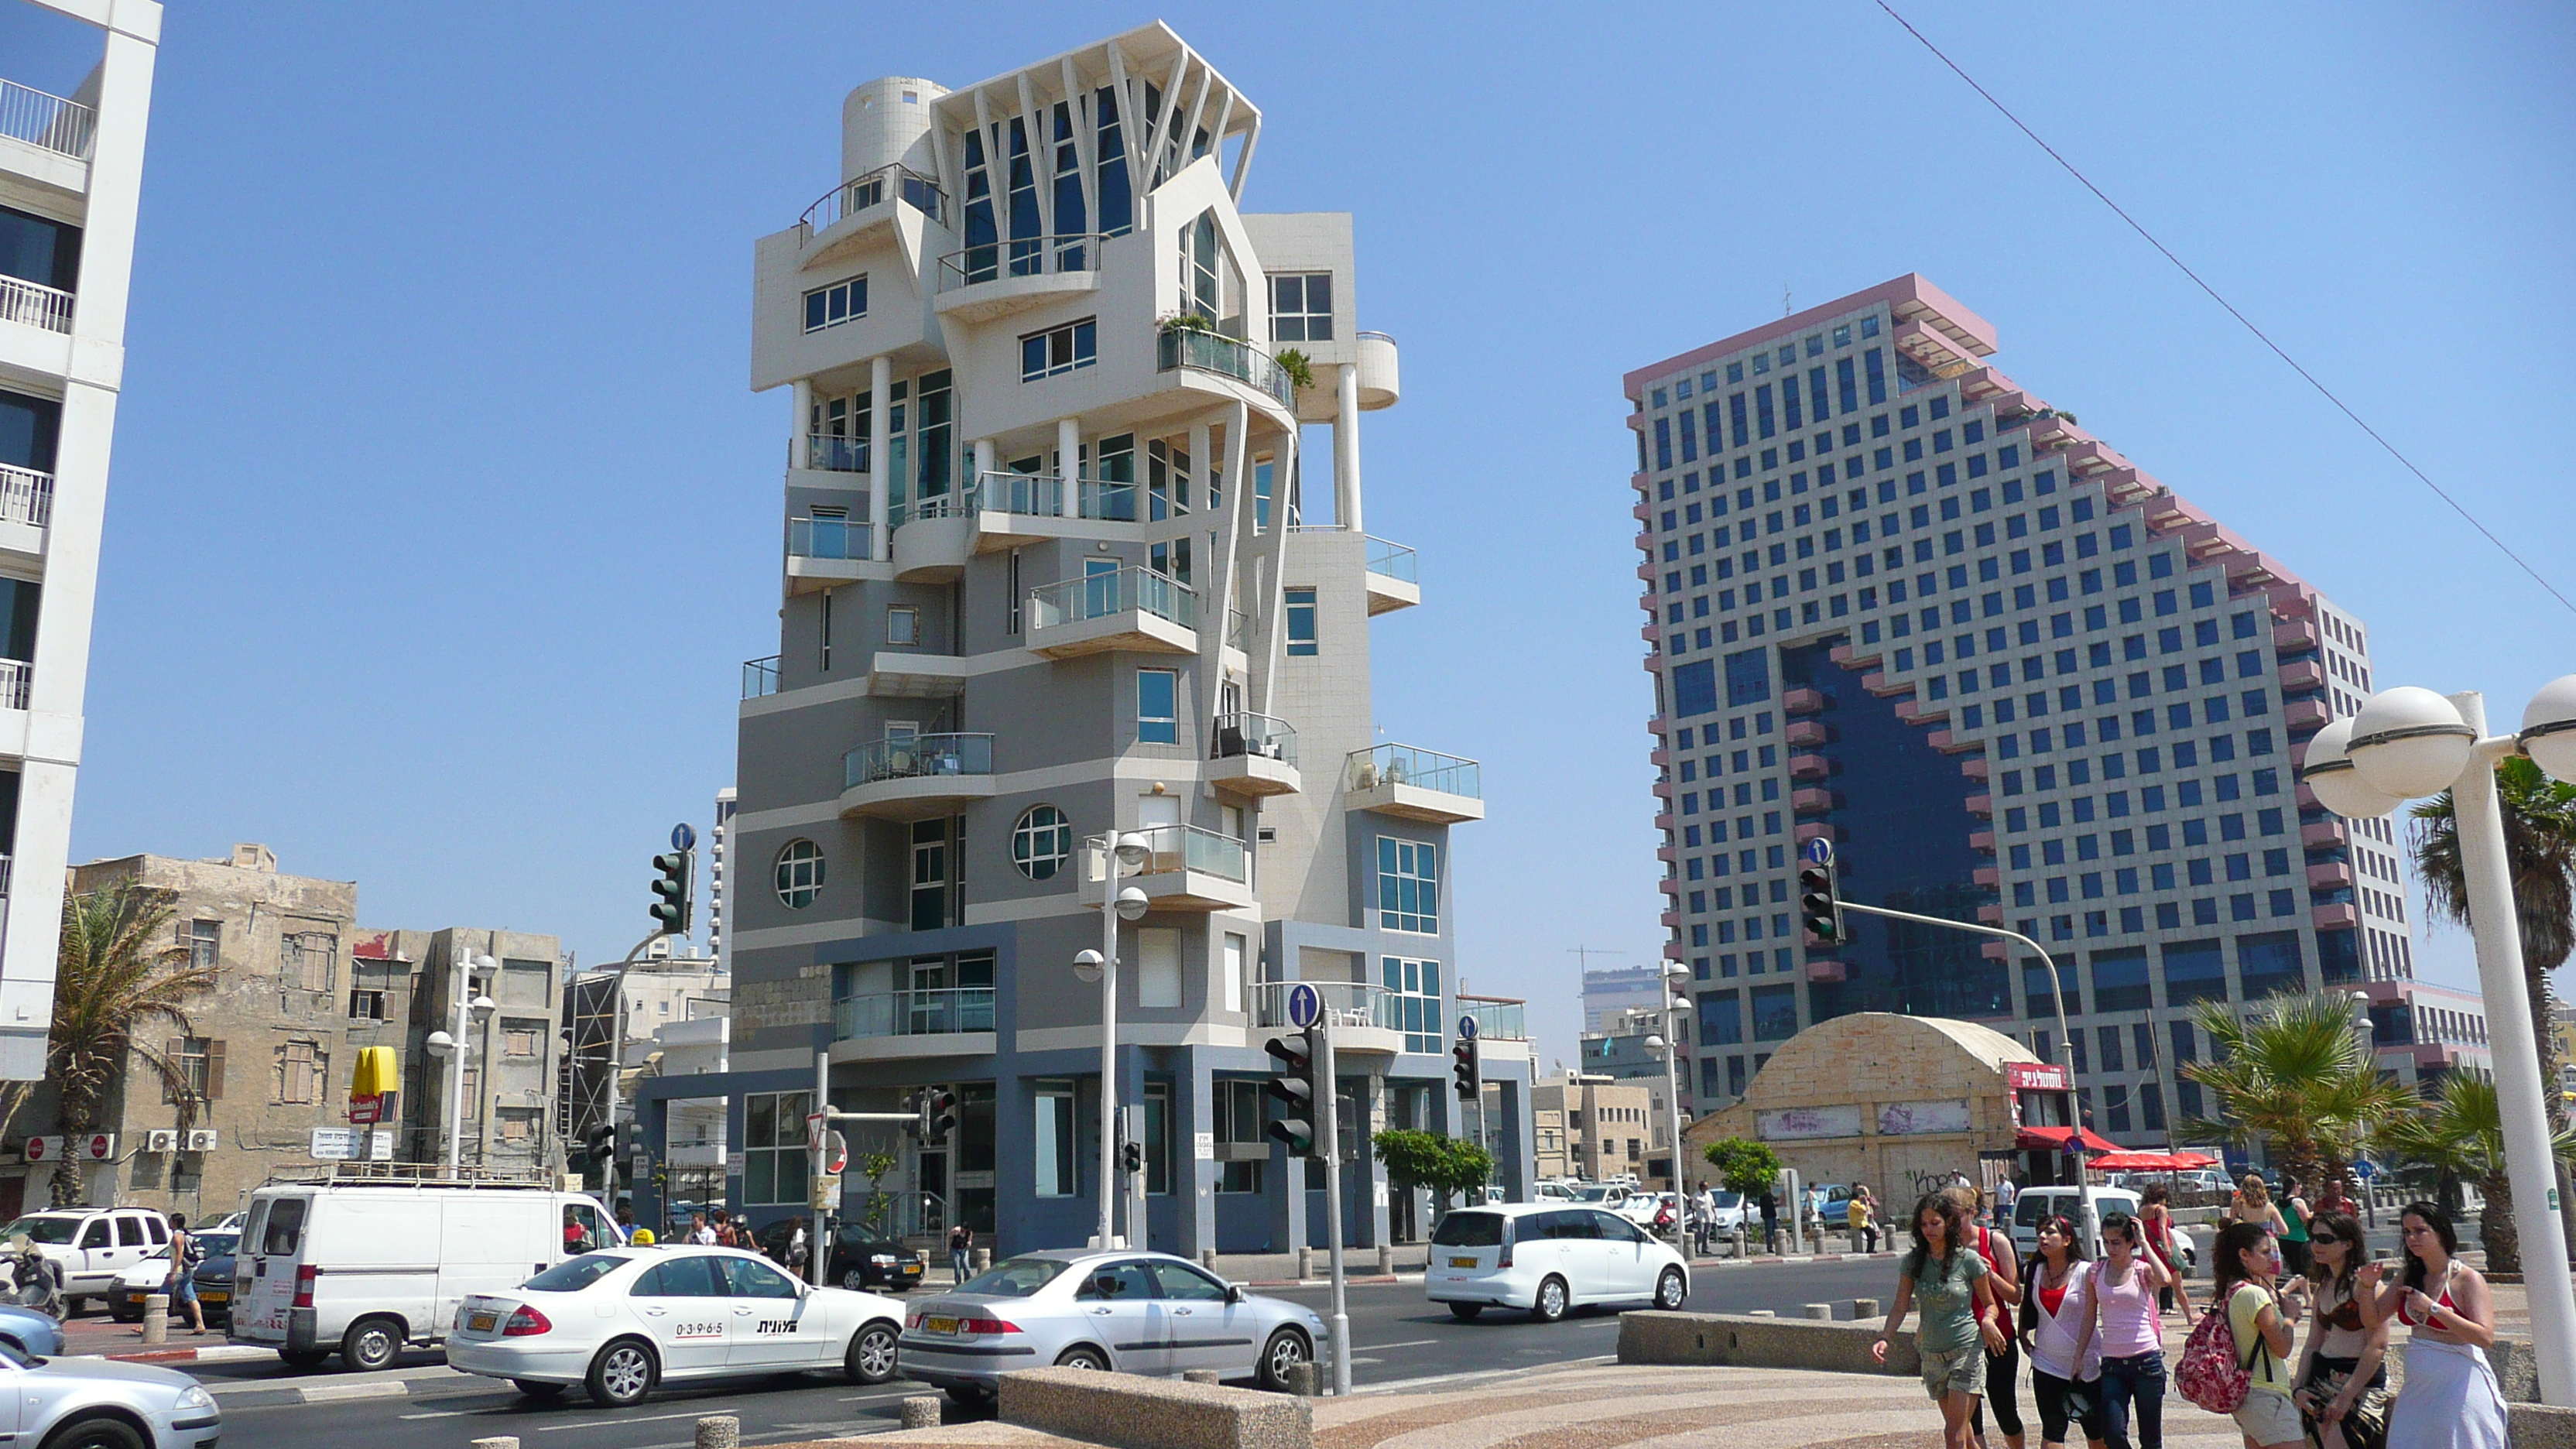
<point x="378" y="1072"/>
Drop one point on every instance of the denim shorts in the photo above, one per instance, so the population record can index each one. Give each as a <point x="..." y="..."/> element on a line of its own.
<point x="183" y="1289"/>
<point x="1960" y="1371"/>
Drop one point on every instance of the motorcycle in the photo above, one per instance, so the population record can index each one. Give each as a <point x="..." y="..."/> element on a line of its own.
<point x="35" y="1281"/>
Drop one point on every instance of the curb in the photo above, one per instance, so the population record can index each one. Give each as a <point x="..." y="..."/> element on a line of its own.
<point x="1373" y="1280"/>
<point x="264" y="1397"/>
<point x="221" y="1353"/>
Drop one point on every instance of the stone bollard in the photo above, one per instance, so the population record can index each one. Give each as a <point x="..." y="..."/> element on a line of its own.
<point x="1741" y="1249"/>
<point x="1199" y="1376"/>
<point x="1779" y="1242"/>
<point x="1762" y="1313"/>
<point x="1207" y="1259"/>
<point x="156" y="1319"/>
<point x="921" y="1411"/>
<point x="502" y="1441"/>
<point x="1386" y="1258"/>
<point x="1305" y="1263"/>
<point x="1303" y="1381"/>
<point x="1824" y="1311"/>
<point x="719" y="1431"/>
<point x="982" y="1258"/>
<point x="1864" y="1309"/>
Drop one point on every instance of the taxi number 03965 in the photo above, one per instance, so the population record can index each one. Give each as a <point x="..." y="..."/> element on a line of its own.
<point x="697" y="1330"/>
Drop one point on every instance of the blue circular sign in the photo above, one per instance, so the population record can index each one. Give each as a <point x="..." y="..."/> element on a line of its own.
<point x="684" y="836"/>
<point x="1466" y="1028"/>
<point x="1818" y="851"/>
<point x="1304" y="1004"/>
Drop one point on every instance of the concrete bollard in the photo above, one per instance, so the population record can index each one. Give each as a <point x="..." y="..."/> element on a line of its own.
<point x="1738" y="1238"/>
<point x="982" y="1258"/>
<point x="1303" y="1381"/>
<point x="501" y="1441"/>
<point x="1386" y="1258"/>
<point x="921" y="1411"/>
<point x="1762" y="1313"/>
<point x="1824" y="1311"/>
<point x="1207" y="1259"/>
<point x="1199" y="1376"/>
<point x="1864" y="1309"/>
<point x="1305" y="1263"/>
<point x="156" y="1319"/>
<point x="719" y="1431"/>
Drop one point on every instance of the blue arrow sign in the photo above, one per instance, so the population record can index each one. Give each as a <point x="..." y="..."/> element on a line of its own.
<point x="684" y="836"/>
<point x="1304" y="1004"/>
<point x="1818" y="851"/>
<point x="1466" y="1028"/>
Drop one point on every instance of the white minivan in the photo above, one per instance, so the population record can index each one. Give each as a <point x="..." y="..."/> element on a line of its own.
<point x="2036" y="1205"/>
<point x="361" y="1268"/>
<point x="1547" y="1258"/>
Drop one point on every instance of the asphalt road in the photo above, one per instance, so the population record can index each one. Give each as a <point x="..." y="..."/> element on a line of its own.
<point x="1397" y="1337"/>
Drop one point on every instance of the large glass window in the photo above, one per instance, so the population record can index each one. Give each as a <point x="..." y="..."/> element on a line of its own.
<point x="2194" y="972"/>
<point x="1748" y="677"/>
<point x="1775" y="1013"/>
<point x="2120" y="980"/>
<point x="2270" y="963"/>
<point x="1414" y="1003"/>
<point x="774" y="1163"/>
<point x="1069" y="218"/>
<point x="1057" y="1144"/>
<point x="28" y="427"/>
<point x="34" y="249"/>
<point x="1408" y="885"/>
<point x="1721" y="1021"/>
<point x="1117" y="199"/>
<point x="1301" y="621"/>
<point x="1157" y="706"/>
<point x="929" y="874"/>
<point x="1199" y="290"/>
<point x="1301" y="307"/>
<point x="1059" y="349"/>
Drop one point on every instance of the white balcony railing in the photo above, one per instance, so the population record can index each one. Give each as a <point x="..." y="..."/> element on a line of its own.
<point x="32" y="116"/>
<point x="26" y="496"/>
<point x="35" y="305"/>
<point x="15" y="676"/>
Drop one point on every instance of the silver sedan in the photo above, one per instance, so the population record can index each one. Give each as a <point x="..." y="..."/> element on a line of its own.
<point x="76" y="1403"/>
<point x="1140" y="1313"/>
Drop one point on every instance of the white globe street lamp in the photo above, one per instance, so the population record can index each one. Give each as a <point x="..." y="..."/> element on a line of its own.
<point x="1121" y="855"/>
<point x="2406" y="743"/>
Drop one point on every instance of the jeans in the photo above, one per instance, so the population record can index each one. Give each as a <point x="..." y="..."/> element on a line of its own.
<point x="957" y="1264"/>
<point x="2138" y="1383"/>
<point x="2061" y="1401"/>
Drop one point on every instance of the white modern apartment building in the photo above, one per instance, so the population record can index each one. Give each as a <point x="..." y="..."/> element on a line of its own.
<point x="1048" y="575"/>
<point x="71" y="170"/>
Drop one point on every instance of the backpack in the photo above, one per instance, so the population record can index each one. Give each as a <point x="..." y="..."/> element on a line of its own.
<point x="2209" y="1374"/>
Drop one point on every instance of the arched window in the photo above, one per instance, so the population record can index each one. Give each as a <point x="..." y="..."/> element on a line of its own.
<point x="1042" y="842"/>
<point x="800" y="873"/>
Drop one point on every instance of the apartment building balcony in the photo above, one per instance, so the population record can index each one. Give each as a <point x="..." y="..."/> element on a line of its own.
<point x="2299" y="636"/>
<point x="2306" y="715"/>
<point x="45" y="137"/>
<point x="1814" y="830"/>
<point x="1414" y="784"/>
<point x="1988" y="877"/>
<point x="2323" y="835"/>
<point x="828" y="453"/>
<point x="893" y="1025"/>
<point x="1365" y="1017"/>
<point x="760" y="677"/>
<point x="1802" y="701"/>
<point x="26" y="509"/>
<point x="2331" y="876"/>
<point x="913" y="776"/>
<point x="2305" y="677"/>
<point x="1975" y="768"/>
<point x="2337" y="917"/>
<point x="1806" y="734"/>
<point x="999" y="278"/>
<point x="824" y="553"/>
<point x="1253" y="754"/>
<point x="856" y="213"/>
<point x="1498" y="1018"/>
<point x="1672" y="920"/>
<point x="1187" y="868"/>
<point x="1827" y="971"/>
<point x="1380" y="379"/>
<point x="32" y="304"/>
<point x="901" y="674"/>
<point x="1003" y="510"/>
<point x="1183" y="348"/>
<point x="1982" y="841"/>
<point x="1389" y="577"/>
<point x="1809" y="767"/>
<point x="1982" y="806"/>
<point x="1991" y="915"/>
<point x="1132" y="609"/>
<point x="1811" y="802"/>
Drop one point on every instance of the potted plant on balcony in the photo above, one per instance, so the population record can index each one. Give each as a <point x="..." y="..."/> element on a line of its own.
<point x="1299" y="367"/>
<point x="1188" y="322"/>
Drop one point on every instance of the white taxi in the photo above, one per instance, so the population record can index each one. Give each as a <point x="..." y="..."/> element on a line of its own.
<point x="624" y="1319"/>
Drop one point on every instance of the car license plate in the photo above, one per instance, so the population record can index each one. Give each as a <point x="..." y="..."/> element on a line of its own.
<point x="212" y="1295"/>
<point x="939" y="1325"/>
<point x="1462" y="1262"/>
<point x="481" y="1322"/>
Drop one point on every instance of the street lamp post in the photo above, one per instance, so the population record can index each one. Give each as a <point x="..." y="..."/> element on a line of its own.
<point x="2408" y="742"/>
<point x="1120" y="856"/>
<point x="469" y="1009"/>
<point x="1675" y="1004"/>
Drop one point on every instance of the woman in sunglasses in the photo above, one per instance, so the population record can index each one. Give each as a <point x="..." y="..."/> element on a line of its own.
<point x="2343" y="1376"/>
<point x="2125" y="1283"/>
<point x="2450" y="1400"/>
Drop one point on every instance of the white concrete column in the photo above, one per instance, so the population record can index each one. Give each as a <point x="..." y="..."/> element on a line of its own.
<point x="1068" y="462"/>
<point x="1202" y="461"/>
<point x="880" y="453"/>
<point x="984" y="463"/>
<point x="1346" y="450"/>
<point x="802" y="423"/>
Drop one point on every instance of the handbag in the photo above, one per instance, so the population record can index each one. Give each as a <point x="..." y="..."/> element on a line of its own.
<point x="2365" y="1424"/>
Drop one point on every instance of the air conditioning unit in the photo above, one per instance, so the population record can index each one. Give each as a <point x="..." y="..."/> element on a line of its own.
<point x="160" y="1140"/>
<point x="201" y="1139"/>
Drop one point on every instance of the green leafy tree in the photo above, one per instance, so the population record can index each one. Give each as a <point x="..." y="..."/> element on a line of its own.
<point x="1427" y="1159"/>
<point x="2294" y="1074"/>
<point x="874" y="1166"/>
<point x="1746" y="1166"/>
<point x="2461" y="1132"/>
<point x="112" y="979"/>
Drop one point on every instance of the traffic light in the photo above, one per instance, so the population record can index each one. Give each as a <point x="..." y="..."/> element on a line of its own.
<point x="602" y="1144"/>
<point x="674" y="872"/>
<point x="1471" y="1082"/>
<point x="1819" y="909"/>
<point x="938" y="1116"/>
<point x="1294" y="1089"/>
<point x="1131" y="1157"/>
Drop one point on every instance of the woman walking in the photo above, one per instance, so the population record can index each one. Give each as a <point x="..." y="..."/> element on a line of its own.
<point x="2243" y="1267"/>
<point x="2003" y="1367"/>
<point x="2343" y="1374"/>
<point x="2450" y="1399"/>
<point x="2057" y="1329"/>
<point x="1952" y="1282"/>
<point x="2125" y="1283"/>
<point x="1862" y="1217"/>
<point x="2294" y="1228"/>
<point x="2253" y="1204"/>
<point x="2155" y="1214"/>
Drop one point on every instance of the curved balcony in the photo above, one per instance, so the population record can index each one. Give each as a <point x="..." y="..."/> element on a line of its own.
<point x="1132" y="608"/>
<point x="946" y="1021"/>
<point x="861" y="210"/>
<point x="1185" y="347"/>
<point x="1363" y="1017"/>
<point x="1381" y="381"/>
<point x="995" y="279"/>
<point x="1187" y="869"/>
<point x="1415" y="784"/>
<point x="916" y="776"/>
<point x="1253" y="754"/>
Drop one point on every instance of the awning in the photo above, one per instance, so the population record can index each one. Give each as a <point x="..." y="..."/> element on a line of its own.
<point x="2150" y="1161"/>
<point x="2053" y="1139"/>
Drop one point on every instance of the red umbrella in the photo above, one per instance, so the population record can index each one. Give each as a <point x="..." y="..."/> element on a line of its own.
<point x="2052" y="1139"/>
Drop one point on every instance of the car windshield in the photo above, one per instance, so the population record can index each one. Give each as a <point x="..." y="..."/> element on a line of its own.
<point x="1730" y="1199"/>
<point x="574" y="1274"/>
<point x="217" y="1245"/>
<point x="1469" y="1230"/>
<point x="1017" y="1278"/>
<point x="1591" y="1194"/>
<point x="53" y="1232"/>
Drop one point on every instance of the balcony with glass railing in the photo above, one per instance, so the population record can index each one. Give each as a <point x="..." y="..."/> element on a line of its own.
<point x="1389" y="577"/>
<point x="47" y="122"/>
<point x="994" y="278"/>
<point x="910" y="776"/>
<point x="1414" y="784"/>
<point x="1253" y="754"/>
<point x="876" y="188"/>
<point x="1043" y="495"/>
<point x="830" y="538"/>
<point x="1362" y="1016"/>
<point x="829" y="453"/>
<point x="930" y="1012"/>
<point x="1131" y="608"/>
<point x="760" y="677"/>
<point x="1186" y="868"/>
<point x="1498" y="1018"/>
<point x="1185" y="347"/>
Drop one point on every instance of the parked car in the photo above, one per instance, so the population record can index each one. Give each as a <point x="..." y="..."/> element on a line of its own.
<point x="361" y="1268"/>
<point x="1138" y="1313"/>
<point x="94" y="1403"/>
<point x="152" y="1275"/>
<point x="2038" y="1204"/>
<point x="1547" y="1259"/>
<point x="858" y="1262"/>
<point x="623" y="1320"/>
<point x="92" y="1245"/>
<point x="1830" y="1203"/>
<point x="214" y="1277"/>
<point x="31" y="1333"/>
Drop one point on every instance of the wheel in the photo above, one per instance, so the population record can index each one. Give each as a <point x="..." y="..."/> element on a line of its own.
<point x="535" y="1390"/>
<point x="304" y="1358"/>
<point x="621" y="1375"/>
<point x="854" y="1280"/>
<point x="1465" y="1312"/>
<point x="1286" y="1349"/>
<point x="871" y="1356"/>
<point x="371" y="1344"/>
<point x="1671" y="1289"/>
<point x="1550" y="1304"/>
<point x="97" y="1434"/>
<point x="1083" y="1356"/>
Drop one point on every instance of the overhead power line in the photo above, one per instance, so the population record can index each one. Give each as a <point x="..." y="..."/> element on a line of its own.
<point x="2259" y="335"/>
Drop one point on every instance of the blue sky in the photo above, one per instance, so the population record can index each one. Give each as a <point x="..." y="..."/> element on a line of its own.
<point x="442" y="515"/>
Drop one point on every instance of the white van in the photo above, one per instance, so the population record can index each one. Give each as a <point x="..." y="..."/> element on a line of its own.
<point x="2038" y="1204"/>
<point x="363" y="1267"/>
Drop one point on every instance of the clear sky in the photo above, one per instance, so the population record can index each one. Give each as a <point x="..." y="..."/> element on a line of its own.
<point x="442" y="516"/>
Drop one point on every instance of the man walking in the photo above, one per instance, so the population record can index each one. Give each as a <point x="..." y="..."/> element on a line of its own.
<point x="961" y="1245"/>
<point x="700" y="1234"/>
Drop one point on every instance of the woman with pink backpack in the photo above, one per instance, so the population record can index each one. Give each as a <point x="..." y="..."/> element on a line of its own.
<point x="2245" y="1264"/>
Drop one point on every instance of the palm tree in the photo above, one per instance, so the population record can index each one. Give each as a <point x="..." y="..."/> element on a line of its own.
<point x="110" y="981"/>
<point x="2540" y="856"/>
<point x="2294" y="1074"/>
<point x="2460" y="1132"/>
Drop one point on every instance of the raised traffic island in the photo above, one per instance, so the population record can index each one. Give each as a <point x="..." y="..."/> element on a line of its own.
<point x="1745" y="1341"/>
<point x="1126" y="1411"/>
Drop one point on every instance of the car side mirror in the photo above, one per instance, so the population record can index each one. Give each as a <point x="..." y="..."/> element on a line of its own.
<point x="1234" y="1293"/>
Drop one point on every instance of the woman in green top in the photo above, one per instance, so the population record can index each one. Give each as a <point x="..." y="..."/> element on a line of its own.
<point x="2245" y="1264"/>
<point x="2294" y="1231"/>
<point x="1954" y="1335"/>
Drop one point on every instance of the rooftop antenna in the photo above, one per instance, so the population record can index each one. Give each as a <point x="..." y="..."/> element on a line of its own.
<point x="1784" y="299"/>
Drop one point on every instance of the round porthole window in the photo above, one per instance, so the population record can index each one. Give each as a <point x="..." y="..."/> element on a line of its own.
<point x="1042" y="842"/>
<point x="800" y="873"/>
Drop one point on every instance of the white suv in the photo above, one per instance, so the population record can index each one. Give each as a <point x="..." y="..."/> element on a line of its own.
<point x="93" y="1245"/>
<point x="1547" y="1258"/>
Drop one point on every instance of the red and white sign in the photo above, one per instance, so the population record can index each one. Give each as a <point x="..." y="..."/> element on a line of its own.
<point x="99" y="1147"/>
<point x="2035" y="1076"/>
<point x="366" y="1111"/>
<point x="44" y="1149"/>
